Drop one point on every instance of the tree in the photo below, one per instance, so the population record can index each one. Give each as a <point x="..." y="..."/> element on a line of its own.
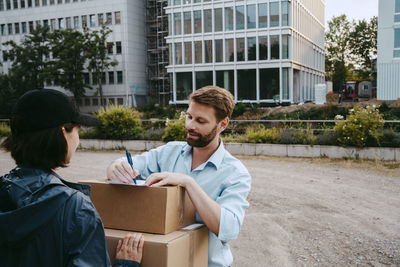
<point x="31" y="61"/>
<point x="68" y="51"/>
<point x="363" y="45"/>
<point x="97" y="54"/>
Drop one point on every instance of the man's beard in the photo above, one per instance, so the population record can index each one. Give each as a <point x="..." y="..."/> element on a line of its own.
<point x="203" y="140"/>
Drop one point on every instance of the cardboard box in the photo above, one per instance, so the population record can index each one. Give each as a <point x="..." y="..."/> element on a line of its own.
<point x="183" y="248"/>
<point x="159" y="210"/>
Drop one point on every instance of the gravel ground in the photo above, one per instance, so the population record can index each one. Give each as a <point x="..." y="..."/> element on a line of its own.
<point x="303" y="212"/>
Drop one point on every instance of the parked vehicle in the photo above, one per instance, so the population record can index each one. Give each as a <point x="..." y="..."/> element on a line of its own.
<point x="353" y="91"/>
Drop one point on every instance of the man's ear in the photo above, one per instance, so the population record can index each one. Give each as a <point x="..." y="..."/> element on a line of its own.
<point x="224" y="123"/>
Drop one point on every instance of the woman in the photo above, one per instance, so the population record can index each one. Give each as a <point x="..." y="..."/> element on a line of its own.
<point x="45" y="220"/>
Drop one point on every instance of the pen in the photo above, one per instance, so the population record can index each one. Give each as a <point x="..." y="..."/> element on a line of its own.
<point x="128" y="156"/>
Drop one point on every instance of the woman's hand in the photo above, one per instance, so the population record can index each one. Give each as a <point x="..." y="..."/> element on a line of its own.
<point x="131" y="248"/>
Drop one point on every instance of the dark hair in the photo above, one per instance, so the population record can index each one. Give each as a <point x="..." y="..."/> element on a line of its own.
<point x="44" y="149"/>
<point x="218" y="98"/>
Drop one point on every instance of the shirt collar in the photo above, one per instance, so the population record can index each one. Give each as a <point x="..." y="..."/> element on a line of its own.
<point x="215" y="159"/>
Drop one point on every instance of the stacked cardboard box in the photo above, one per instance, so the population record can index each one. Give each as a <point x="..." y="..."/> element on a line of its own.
<point x="159" y="213"/>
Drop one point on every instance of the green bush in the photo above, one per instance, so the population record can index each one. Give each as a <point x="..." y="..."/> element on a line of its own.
<point x="297" y="136"/>
<point x="262" y="135"/>
<point x="118" y="122"/>
<point x="5" y="130"/>
<point x="363" y="126"/>
<point x="175" y="130"/>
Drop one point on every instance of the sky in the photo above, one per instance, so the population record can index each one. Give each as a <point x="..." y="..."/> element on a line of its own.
<point x="354" y="9"/>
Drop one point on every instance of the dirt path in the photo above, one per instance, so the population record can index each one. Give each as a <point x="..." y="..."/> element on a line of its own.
<point x="304" y="212"/>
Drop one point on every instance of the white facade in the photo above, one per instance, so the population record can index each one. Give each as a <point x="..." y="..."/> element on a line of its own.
<point x="388" y="84"/>
<point x="126" y="19"/>
<point x="262" y="51"/>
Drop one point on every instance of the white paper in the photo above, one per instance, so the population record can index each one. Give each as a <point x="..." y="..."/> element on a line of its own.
<point x="138" y="183"/>
<point x="193" y="226"/>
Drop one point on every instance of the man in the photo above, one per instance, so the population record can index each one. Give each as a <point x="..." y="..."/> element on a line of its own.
<point x="217" y="183"/>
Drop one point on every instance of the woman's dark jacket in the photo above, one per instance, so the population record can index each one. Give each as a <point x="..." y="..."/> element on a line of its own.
<point x="46" y="221"/>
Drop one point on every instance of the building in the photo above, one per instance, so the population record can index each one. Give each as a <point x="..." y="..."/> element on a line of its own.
<point x="388" y="85"/>
<point x="262" y="51"/>
<point x="125" y="83"/>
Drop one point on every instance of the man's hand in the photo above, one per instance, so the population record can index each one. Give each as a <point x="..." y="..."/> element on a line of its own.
<point x="121" y="171"/>
<point x="168" y="178"/>
<point x="131" y="248"/>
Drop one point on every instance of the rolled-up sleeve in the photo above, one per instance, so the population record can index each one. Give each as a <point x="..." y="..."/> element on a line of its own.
<point x="233" y="205"/>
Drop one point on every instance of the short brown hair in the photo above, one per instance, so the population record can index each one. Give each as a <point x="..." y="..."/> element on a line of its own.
<point x="218" y="98"/>
<point x="44" y="149"/>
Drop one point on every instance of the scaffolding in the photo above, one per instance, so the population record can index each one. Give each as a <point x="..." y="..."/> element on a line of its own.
<point x="157" y="50"/>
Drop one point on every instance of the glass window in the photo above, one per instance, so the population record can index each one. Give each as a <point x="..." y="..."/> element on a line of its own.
<point x="285" y="13"/>
<point x="108" y="18"/>
<point x="103" y="78"/>
<point x="177" y="24"/>
<point x="187" y="27"/>
<point x="22" y="4"/>
<point x="251" y="48"/>
<point x="37" y="3"/>
<point x="94" y="79"/>
<point x="16" y="28"/>
<point x="397" y="6"/>
<point x="67" y="1"/>
<point x="274" y="41"/>
<point x="263" y="15"/>
<point x="68" y="23"/>
<point x="110" y="48"/>
<point x="218" y="19"/>
<point x="52" y="2"/>
<point x="117" y="16"/>
<point x="263" y="47"/>
<point x="59" y="1"/>
<point x="23" y="26"/>
<point x="45" y="23"/>
<point x="15" y="4"/>
<point x="229" y="50"/>
<point x="84" y="21"/>
<point x="10" y="28"/>
<point x="396" y="38"/>
<point x="188" y="52"/>
<point x="119" y="47"/>
<point x="8" y="4"/>
<point x="29" y="3"/>
<point x="396" y="53"/>
<point x="178" y="53"/>
<point x="38" y="23"/>
<point x="87" y="101"/>
<point x="397" y="18"/>
<point x="120" y="101"/>
<point x="76" y="22"/>
<point x="247" y="86"/>
<point x="239" y="17"/>
<point x="208" y="53"/>
<point x="269" y="83"/>
<point x="225" y="79"/>
<point x="196" y="1"/>
<point x="198" y="56"/>
<point x="61" y="23"/>
<point x="30" y="26"/>
<point x="177" y="2"/>
<point x="186" y="2"/>
<point x="95" y="101"/>
<point x="207" y="20"/>
<point x="240" y="49"/>
<point x="251" y="16"/>
<point x="92" y="19"/>
<point x="219" y="54"/>
<point x="100" y="18"/>
<point x="184" y="85"/>
<point x="285" y="83"/>
<point x="203" y="78"/>
<point x="197" y="21"/>
<point x="274" y="14"/>
<point x="170" y="55"/>
<point x="3" y="29"/>
<point x="52" y="24"/>
<point x="229" y="18"/>
<point x="1" y="5"/>
<point x="285" y="46"/>
<point x="119" y="77"/>
<point x="44" y="2"/>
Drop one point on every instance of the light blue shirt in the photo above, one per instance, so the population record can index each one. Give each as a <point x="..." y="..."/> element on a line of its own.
<point x="223" y="177"/>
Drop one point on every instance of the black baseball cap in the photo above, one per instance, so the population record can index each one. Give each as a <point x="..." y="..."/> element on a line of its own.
<point x="47" y="108"/>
